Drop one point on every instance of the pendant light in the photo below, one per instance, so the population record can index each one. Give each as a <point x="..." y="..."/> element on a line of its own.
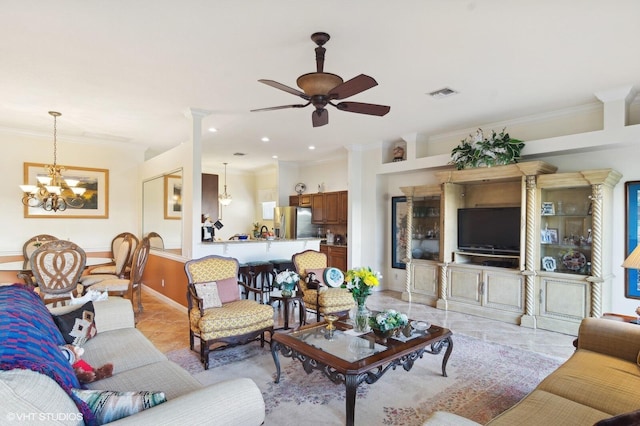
<point x="225" y="198"/>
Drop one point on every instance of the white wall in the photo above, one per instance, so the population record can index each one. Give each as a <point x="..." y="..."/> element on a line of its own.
<point x="91" y="234"/>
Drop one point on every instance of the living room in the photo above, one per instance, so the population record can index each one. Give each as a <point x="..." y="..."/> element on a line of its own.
<point x="599" y="129"/>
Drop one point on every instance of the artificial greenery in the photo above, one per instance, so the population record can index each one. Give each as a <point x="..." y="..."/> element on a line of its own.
<point x="478" y="151"/>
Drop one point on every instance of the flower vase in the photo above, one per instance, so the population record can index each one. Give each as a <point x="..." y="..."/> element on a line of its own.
<point x="287" y="289"/>
<point x="361" y="320"/>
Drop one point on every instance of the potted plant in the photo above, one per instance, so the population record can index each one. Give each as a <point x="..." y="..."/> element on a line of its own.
<point x="479" y="151"/>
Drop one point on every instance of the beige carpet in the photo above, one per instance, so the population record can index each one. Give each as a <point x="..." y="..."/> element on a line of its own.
<point x="483" y="380"/>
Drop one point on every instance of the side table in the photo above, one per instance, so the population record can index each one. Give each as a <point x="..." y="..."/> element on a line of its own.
<point x="286" y="302"/>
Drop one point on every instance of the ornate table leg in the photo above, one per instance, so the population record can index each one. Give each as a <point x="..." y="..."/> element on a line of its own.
<point x="351" y="382"/>
<point x="276" y="360"/>
<point x="446" y="355"/>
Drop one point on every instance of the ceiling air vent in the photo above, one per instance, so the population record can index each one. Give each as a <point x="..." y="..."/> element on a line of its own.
<point x="239" y="154"/>
<point x="443" y="93"/>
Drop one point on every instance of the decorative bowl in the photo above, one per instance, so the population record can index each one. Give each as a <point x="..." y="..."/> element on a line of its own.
<point x="420" y="325"/>
<point x="385" y="334"/>
<point x="243" y="237"/>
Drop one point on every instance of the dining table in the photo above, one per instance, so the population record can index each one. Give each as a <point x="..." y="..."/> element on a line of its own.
<point x="23" y="268"/>
<point x="21" y="265"/>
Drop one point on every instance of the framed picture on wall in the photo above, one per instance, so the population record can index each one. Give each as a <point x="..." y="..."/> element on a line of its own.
<point x="398" y="232"/>
<point x="95" y="199"/>
<point x="172" y="196"/>
<point x="632" y="236"/>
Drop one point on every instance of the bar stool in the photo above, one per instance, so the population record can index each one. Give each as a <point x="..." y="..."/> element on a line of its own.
<point x="263" y="276"/>
<point x="282" y="265"/>
<point x="245" y="276"/>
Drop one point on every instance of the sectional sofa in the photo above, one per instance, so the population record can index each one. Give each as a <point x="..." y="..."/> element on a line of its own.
<point x="36" y="382"/>
<point x="599" y="384"/>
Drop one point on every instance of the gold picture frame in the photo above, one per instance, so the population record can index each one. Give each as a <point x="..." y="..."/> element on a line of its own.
<point x="173" y="197"/>
<point x="96" y="182"/>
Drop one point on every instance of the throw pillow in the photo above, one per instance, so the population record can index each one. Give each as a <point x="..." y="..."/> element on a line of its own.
<point x="228" y="290"/>
<point x="109" y="406"/>
<point x="632" y="418"/>
<point x="78" y="325"/>
<point x="317" y="280"/>
<point x="208" y="292"/>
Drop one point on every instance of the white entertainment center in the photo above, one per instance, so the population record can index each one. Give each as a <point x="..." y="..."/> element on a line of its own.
<point x="562" y="271"/>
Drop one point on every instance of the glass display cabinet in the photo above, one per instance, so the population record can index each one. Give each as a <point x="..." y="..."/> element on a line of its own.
<point x="566" y="231"/>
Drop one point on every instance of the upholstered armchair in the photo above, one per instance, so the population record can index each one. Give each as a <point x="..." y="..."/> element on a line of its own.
<point x="217" y="314"/>
<point x="323" y="300"/>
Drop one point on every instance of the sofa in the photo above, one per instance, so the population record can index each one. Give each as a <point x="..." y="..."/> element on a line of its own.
<point x="37" y="385"/>
<point x="599" y="384"/>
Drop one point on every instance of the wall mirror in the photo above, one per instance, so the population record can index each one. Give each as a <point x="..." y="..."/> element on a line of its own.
<point x="162" y="211"/>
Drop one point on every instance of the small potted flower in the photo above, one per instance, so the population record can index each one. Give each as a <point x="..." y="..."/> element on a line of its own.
<point x="388" y="322"/>
<point x="286" y="281"/>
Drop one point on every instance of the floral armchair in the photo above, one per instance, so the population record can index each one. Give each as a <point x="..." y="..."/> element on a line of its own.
<point x="216" y="312"/>
<point x="322" y="300"/>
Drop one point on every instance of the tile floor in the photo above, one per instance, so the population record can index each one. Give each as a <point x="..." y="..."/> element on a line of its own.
<point x="166" y="325"/>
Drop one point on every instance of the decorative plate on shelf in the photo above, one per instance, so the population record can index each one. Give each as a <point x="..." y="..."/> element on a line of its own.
<point x="574" y="260"/>
<point x="333" y="277"/>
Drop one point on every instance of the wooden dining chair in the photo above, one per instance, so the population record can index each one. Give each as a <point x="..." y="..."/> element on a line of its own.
<point x="155" y="240"/>
<point x="127" y="287"/>
<point x="121" y="266"/>
<point x="28" y="248"/>
<point x="57" y="267"/>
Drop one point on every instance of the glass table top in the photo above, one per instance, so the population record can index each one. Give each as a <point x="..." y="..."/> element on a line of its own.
<point x="346" y="345"/>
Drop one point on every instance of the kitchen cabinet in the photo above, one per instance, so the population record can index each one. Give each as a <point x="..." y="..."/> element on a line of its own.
<point x="325" y="208"/>
<point x="336" y="256"/>
<point x="303" y="200"/>
<point x="343" y="209"/>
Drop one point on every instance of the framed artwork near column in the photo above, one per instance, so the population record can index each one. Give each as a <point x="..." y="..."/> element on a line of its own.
<point x="632" y="236"/>
<point x="398" y="231"/>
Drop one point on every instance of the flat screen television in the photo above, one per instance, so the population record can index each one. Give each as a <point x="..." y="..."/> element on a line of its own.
<point x="493" y="230"/>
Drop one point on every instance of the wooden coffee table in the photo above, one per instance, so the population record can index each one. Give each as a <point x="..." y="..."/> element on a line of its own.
<point x="346" y="358"/>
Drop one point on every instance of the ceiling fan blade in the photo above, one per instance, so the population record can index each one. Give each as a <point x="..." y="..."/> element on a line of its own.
<point x="281" y="107"/>
<point x="285" y="88"/>
<point x="352" y="87"/>
<point x="320" y="117"/>
<point x="362" y="108"/>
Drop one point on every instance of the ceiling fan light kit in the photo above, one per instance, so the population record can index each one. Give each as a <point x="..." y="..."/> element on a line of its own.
<point x="321" y="88"/>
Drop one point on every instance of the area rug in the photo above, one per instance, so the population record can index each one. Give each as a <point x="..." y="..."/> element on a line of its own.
<point x="484" y="379"/>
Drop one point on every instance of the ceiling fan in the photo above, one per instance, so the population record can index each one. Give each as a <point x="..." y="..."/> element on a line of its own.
<point x="321" y="88"/>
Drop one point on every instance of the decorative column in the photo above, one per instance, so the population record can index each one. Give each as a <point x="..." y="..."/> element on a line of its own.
<point x="596" y="277"/>
<point x="407" y="252"/>
<point x="529" y="318"/>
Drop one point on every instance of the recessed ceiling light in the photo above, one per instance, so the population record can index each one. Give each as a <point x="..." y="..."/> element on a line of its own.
<point x="213" y="129"/>
<point x="443" y="93"/>
<point x="312" y="147"/>
<point x="265" y="139"/>
<point x="274" y="157"/>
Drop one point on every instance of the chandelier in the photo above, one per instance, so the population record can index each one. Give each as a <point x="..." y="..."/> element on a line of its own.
<point x="225" y="199"/>
<point x="53" y="192"/>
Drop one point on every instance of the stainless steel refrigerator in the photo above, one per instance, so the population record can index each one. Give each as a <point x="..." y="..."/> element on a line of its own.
<point x="293" y="222"/>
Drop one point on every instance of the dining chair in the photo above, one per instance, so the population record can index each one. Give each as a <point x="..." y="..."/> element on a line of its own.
<point x="126" y="287"/>
<point x="217" y="314"/>
<point x="322" y="300"/>
<point x="28" y="248"/>
<point x="123" y="247"/>
<point x="57" y="266"/>
<point x="156" y="240"/>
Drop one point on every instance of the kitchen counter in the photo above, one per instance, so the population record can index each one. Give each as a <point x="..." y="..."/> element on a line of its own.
<point x="253" y="250"/>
